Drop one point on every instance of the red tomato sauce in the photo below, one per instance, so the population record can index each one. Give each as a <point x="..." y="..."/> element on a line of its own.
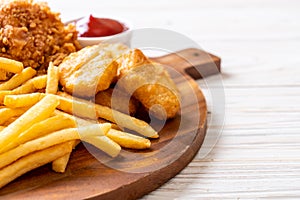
<point x="97" y="27"/>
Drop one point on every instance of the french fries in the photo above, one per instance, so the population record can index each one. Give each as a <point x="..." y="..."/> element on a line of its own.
<point x="22" y="100"/>
<point x="8" y="113"/>
<point x="29" y="86"/>
<point x="3" y="94"/>
<point x="32" y="85"/>
<point x="37" y="113"/>
<point x="10" y="65"/>
<point x="83" y="108"/>
<point x="18" y="79"/>
<point x="49" y="125"/>
<point x="33" y="161"/>
<point x="105" y="144"/>
<point x="60" y="164"/>
<point x="52" y="79"/>
<point x="52" y="139"/>
<point x="128" y="140"/>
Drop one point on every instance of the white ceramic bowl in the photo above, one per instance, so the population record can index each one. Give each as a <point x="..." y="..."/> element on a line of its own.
<point x="123" y="37"/>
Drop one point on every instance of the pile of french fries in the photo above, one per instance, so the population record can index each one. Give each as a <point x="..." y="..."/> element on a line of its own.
<point x="40" y="124"/>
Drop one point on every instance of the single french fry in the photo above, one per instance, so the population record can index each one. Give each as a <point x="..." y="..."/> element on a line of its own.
<point x="60" y="164"/>
<point x="18" y="79"/>
<point x="52" y="79"/>
<point x="105" y="144"/>
<point x="49" y="125"/>
<point x="10" y="65"/>
<point x="3" y="94"/>
<point x="54" y="138"/>
<point x="128" y="140"/>
<point x="8" y="113"/>
<point x="40" y="111"/>
<point x="32" y="85"/>
<point x="33" y="161"/>
<point x="22" y="100"/>
<point x="83" y="108"/>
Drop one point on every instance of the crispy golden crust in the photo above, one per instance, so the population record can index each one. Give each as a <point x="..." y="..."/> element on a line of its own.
<point x="32" y="34"/>
<point x="121" y="102"/>
<point x="90" y="70"/>
<point x="150" y="84"/>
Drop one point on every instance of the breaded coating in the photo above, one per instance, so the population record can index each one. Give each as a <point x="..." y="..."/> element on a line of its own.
<point x="90" y="70"/>
<point x="149" y="83"/>
<point x="121" y="102"/>
<point x="32" y="34"/>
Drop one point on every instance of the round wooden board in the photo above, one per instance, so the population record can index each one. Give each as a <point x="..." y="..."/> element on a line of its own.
<point x="133" y="173"/>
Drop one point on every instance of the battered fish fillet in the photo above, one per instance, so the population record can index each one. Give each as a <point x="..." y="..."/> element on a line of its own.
<point x="90" y="70"/>
<point x="31" y="33"/>
<point x="149" y="83"/>
<point x="121" y="101"/>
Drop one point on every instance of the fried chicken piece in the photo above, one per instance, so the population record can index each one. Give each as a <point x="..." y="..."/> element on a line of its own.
<point x="118" y="100"/>
<point x="149" y="83"/>
<point x="90" y="70"/>
<point x="32" y="34"/>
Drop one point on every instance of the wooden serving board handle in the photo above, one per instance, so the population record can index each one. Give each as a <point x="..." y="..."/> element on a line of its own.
<point x="194" y="62"/>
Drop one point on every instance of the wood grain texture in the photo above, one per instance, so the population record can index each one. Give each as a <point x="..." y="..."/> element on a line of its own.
<point x="134" y="173"/>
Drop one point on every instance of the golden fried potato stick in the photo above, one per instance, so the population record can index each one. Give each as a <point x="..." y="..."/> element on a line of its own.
<point x="33" y="161"/>
<point x="3" y="94"/>
<point x="8" y="113"/>
<point x="42" y="128"/>
<point x="40" y="111"/>
<point x="32" y="85"/>
<point x="128" y="140"/>
<point x="52" y="79"/>
<point x="60" y="164"/>
<point x="18" y="79"/>
<point x="22" y="100"/>
<point x="10" y="65"/>
<point x="54" y="138"/>
<point x="105" y="144"/>
<point x="83" y="108"/>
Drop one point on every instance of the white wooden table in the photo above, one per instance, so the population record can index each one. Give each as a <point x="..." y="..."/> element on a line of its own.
<point x="258" y="153"/>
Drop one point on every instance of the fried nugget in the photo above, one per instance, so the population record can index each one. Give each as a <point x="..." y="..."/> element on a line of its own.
<point x="90" y="70"/>
<point x="149" y="83"/>
<point x="118" y="100"/>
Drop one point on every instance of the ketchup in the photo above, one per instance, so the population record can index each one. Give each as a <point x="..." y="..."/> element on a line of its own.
<point x="97" y="27"/>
